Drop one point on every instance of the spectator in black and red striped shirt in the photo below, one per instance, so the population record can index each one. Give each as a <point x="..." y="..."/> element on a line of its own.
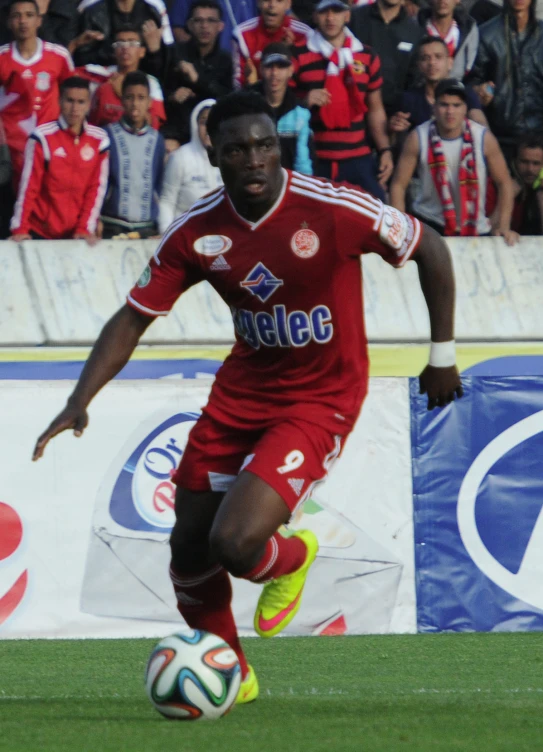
<point x="340" y="81"/>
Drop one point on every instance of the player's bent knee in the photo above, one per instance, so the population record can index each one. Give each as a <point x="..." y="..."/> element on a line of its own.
<point x="234" y="550"/>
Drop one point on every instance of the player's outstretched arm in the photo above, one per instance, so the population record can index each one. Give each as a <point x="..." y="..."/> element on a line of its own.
<point x="110" y="353"/>
<point x="440" y="379"/>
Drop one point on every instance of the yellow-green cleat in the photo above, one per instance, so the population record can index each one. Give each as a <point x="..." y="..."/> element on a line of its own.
<point x="248" y="691"/>
<point x="280" y="599"/>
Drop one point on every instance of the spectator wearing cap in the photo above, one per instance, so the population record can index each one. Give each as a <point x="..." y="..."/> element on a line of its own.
<point x="452" y="155"/>
<point x="136" y="167"/>
<point x="393" y="35"/>
<point x="274" y="24"/>
<point x="447" y="20"/>
<point x="415" y="105"/>
<point x="340" y="82"/>
<point x="107" y="106"/>
<point x="508" y="73"/>
<point x="200" y="70"/>
<point x="276" y="69"/>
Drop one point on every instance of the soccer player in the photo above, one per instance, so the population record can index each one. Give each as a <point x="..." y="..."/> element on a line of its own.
<point x="65" y="172"/>
<point x="30" y="74"/>
<point x="283" y="251"/>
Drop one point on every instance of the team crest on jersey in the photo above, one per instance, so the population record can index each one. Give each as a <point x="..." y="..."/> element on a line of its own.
<point x="145" y="277"/>
<point x="305" y="243"/>
<point x="87" y="153"/>
<point x="261" y="282"/>
<point x="212" y="245"/>
<point x="358" y="67"/>
<point x="43" y="81"/>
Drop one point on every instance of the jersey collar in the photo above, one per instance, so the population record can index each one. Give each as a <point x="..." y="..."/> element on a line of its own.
<point x="36" y="57"/>
<point x="276" y="206"/>
<point x="65" y="127"/>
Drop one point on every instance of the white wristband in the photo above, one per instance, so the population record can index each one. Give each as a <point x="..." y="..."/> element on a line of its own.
<point x="442" y="354"/>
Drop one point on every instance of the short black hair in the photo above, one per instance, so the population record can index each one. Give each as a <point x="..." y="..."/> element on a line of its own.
<point x="428" y="39"/>
<point x="17" y="2"/>
<point x="136" y="78"/>
<point x="237" y="104"/>
<point x="74" y="82"/>
<point x="530" y="140"/>
<point x="213" y="4"/>
<point x="128" y="27"/>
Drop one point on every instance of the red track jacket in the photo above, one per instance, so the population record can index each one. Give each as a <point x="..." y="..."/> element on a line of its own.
<point x="63" y="182"/>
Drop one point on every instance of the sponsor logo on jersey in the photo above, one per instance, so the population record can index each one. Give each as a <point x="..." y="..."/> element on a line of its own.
<point x="27" y="73"/>
<point x="394" y="229"/>
<point x="220" y="265"/>
<point x="261" y="282"/>
<point x="212" y="245"/>
<point x="60" y="152"/>
<point x="87" y="153"/>
<point x="145" y="277"/>
<point x="305" y="243"/>
<point x="296" y="484"/>
<point x="43" y="81"/>
<point x="282" y="329"/>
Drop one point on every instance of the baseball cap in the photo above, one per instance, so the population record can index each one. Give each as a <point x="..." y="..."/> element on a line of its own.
<point x="276" y="54"/>
<point x="451" y="86"/>
<point x="324" y="4"/>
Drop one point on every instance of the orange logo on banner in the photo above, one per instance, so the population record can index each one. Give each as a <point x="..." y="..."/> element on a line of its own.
<point x="11" y="535"/>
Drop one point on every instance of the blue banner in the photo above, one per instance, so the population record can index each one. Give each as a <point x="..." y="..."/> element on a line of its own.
<point x="477" y="502"/>
<point x="189" y="368"/>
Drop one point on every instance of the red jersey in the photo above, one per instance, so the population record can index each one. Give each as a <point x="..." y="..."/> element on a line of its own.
<point x="251" y="37"/>
<point x="106" y="105"/>
<point x="293" y="282"/>
<point x="63" y="183"/>
<point x="29" y="89"/>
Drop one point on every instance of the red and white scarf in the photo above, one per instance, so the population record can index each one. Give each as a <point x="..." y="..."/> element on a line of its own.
<point x="451" y="38"/>
<point x="347" y="102"/>
<point x="467" y="179"/>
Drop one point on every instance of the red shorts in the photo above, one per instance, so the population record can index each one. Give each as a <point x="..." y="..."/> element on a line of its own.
<point x="292" y="457"/>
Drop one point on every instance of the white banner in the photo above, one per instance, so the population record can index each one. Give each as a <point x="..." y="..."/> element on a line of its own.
<point x="83" y="532"/>
<point x="64" y="292"/>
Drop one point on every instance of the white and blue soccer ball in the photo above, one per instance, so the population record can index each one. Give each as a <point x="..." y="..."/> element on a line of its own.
<point x="193" y="675"/>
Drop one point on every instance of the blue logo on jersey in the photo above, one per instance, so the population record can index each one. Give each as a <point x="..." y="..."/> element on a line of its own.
<point x="282" y="329"/>
<point x="261" y="282"/>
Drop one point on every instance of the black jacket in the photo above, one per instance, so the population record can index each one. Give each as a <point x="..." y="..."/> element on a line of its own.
<point x="215" y="77"/>
<point x="104" y="16"/>
<point x="395" y="44"/>
<point x="516" y="68"/>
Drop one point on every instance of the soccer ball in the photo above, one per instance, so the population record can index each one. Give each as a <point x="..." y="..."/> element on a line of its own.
<point x="193" y="675"/>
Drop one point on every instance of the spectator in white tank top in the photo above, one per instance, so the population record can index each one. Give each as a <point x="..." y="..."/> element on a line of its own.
<point x="453" y="157"/>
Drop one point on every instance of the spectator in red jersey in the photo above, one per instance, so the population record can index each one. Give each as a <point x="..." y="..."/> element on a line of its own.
<point x="292" y="388"/>
<point x="274" y="24"/>
<point x="30" y="73"/>
<point x="65" y="173"/>
<point x="58" y="22"/>
<point x="447" y="20"/>
<point x="340" y="81"/>
<point x="107" y="106"/>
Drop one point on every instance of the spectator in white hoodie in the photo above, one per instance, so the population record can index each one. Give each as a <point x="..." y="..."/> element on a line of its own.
<point x="189" y="174"/>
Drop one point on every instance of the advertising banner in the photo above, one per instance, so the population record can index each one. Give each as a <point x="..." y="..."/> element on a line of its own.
<point x="478" y="500"/>
<point x="87" y="553"/>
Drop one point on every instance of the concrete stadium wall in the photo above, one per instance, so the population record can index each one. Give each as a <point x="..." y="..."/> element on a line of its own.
<point x="62" y="292"/>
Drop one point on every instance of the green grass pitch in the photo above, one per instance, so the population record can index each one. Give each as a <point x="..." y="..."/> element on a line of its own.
<point x="414" y="693"/>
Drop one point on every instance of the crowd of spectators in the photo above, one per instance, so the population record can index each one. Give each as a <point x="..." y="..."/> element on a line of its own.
<point x="435" y="106"/>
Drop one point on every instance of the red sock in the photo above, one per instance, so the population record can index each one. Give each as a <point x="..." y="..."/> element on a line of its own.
<point x="203" y="600"/>
<point x="282" y="556"/>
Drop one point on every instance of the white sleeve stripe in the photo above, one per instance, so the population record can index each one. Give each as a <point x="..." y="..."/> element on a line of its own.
<point x="242" y="44"/>
<point x="25" y="179"/>
<point x="409" y="252"/>
<point x="358" y="199"/>
<point x="299" y="179"/>
<point x="135" y="303"/>
<point x="101" y="192"/>
<point x="184" y="218"/>
<point x="339" y="201"/>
